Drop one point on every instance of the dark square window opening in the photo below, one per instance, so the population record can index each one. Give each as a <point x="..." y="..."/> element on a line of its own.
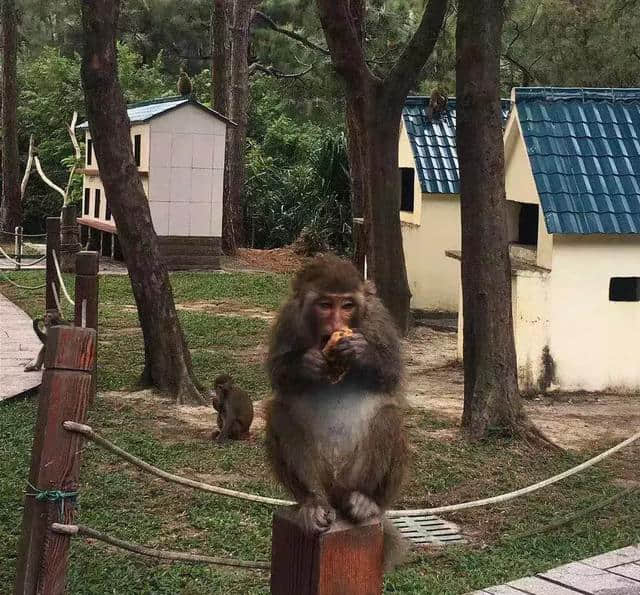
<point x="528" y="225"/>
<point x="96" y="207"/>
<point x="87" y="200"/>
<point x="136" y="148"/>
<point x="406" y="197"/>
<point x="89" y="151"/>
<point x="624" y="289"/>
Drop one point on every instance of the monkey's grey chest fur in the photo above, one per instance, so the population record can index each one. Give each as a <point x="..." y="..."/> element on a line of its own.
<point x="337" y="421"/>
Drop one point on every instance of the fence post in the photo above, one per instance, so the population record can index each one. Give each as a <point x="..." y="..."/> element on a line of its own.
<point x="345" y="560"/>
<point x="86" y="292"/>
<point x="53" y="244"/>
<point x="69" y="239"/>
<point x="18" y="246"/>
<point x="55" y="460"/>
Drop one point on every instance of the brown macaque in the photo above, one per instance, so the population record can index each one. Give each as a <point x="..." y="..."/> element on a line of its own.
<point x="337" y="443"/>
<point x="437" y="104"/>
<point x="234" y="407"/>
<point x="51" y="318"/>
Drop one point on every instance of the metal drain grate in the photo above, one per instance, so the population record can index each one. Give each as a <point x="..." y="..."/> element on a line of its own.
<point x="428" y="530"/>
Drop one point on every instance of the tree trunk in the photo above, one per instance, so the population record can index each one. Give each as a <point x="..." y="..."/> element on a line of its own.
<point x="356" y="173"/>
<point x="374" y="107"/>
<point x="491" y="398"/>
<point x="11" y="207"/>
<point x="167" y="359"/>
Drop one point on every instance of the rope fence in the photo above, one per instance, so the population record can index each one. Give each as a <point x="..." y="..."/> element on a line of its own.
<point x="61" y="280"/>
<point x="24" y="235"/>
<point x="8" y="280"/>
<point x="19" y="262"/>
<point x="83" y="531"/>
<point x="90" y="434"/>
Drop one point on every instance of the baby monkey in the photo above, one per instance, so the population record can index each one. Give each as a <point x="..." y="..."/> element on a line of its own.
<point x="234" y="407"/>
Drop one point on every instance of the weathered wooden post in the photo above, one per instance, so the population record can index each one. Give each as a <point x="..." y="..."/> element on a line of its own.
<point x="53" y="244"/>
<point x="345" y="560"/>
<point x="69" y="239"/>
<point x="86" y="298"/>
<point x="55" y="460"/>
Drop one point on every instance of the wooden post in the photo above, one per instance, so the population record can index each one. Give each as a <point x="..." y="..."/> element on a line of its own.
<point x="53" y="243"/>
<point x="18" y="246"/>
<point x="86" y="291"/>
<point x="55" y="460"/>
<point x="69" y="239"/>
<point x="346" y="560"/>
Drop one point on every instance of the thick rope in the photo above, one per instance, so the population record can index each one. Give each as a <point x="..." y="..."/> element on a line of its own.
<point x="83" y="531"/>
<point x="20" y="262"/>
<point x="22" y="286"/>
<point x="25" y="235"/>
<point x="56" y="299"/>
<point x="60" y="279"/>
<point x="88" y="433"/>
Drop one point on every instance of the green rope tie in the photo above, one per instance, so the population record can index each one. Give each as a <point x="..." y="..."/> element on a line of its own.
<point x="52" y="496"/>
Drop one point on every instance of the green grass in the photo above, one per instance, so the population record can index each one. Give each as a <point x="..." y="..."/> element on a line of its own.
<point x="118" y="499"/>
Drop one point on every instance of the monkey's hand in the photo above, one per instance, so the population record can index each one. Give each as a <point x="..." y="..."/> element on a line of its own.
<point x="350" y="348"/>
<point x="316" y="517"/>
<point x="315" y="365"/>
<point x="361" y="508"/>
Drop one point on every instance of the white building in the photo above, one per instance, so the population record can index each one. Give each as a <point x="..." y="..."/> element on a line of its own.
<point x="430" y="206"/>
<point x="573" y="192"/>
<point x="179" y="147"/>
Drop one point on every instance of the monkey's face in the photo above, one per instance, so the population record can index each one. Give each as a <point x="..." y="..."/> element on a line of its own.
<point x="51" y="318"/>
<point x="333" y="312"/>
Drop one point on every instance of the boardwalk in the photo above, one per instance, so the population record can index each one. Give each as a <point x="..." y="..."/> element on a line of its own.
<point x="614" y="573"/>
<point x="18" y="346"/>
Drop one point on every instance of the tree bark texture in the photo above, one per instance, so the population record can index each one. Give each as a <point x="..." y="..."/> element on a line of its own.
<point x="11" y="207"/>
<point x="167" y="359"/>
<point x="374" y="108"/>
<point x="231" y="32"/>
<point x="491" y="398"/>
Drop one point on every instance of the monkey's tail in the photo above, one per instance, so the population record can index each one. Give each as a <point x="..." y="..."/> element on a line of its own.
<point x="395" y="548"/>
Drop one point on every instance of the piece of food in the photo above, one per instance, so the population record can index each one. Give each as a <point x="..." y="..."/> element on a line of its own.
<point x="334" y="339"/>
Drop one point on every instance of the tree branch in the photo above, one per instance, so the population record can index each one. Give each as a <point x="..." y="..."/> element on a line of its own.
<point x="403" y="74"/>
<point x="269" y="22"/>
<point x="342" y="33"/>
<point x="527" y="73"/>
<point x="271" y="70"/>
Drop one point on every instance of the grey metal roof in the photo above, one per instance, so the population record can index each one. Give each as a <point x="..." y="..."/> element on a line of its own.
<point x="433" y="143"/>
<point x="584" y="149"/>
<point x="144" y="111"/>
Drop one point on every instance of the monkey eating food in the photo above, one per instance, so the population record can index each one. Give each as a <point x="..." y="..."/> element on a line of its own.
<point x="51" y="318"/>
<point x="234" y="407"/>
<point x="335" y="434"/>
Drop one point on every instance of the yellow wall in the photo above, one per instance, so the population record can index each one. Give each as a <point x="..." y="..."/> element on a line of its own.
<point x="432" y="228"/>
<point x="143" y="131"/>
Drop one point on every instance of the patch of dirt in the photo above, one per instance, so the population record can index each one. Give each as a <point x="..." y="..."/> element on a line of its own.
<point x="227" y="308"/>
<point x="278" y="260"/>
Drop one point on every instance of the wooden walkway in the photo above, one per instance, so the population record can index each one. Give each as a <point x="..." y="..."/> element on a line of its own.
<point x="18" y="346"/>
<point x="614" y="573"/>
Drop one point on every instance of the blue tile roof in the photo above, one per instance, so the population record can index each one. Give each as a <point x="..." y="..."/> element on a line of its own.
<point x="434" y="144"/>
<point x="143" y="111"/>
<point x="584" y="149"/>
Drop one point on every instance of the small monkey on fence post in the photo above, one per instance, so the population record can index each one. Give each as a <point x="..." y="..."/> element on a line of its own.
<point x="234" y="407"/>
<point x="335" y="435"/>
<point x="51" y="318"/>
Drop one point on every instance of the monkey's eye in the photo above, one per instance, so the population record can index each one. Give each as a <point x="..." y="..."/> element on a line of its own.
<point x="325" y="305"/>
<point x="348" y="306"/>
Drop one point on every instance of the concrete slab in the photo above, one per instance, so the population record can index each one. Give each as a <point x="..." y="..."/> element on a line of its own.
<point x="537" y="586"/>
<point x="615" y="558"/>
<point x="18" y="346"/>
<point x="593" y="581"/>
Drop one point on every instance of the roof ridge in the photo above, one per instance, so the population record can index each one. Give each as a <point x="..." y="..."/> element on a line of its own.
<point x="168" y="99"/>
<point x="612" y="94"/>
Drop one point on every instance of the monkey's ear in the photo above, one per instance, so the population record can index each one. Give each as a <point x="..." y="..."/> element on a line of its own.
<point x="370" y="288"/>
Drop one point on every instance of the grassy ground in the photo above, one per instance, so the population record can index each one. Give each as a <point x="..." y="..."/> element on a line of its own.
<point x="225" y="317"/>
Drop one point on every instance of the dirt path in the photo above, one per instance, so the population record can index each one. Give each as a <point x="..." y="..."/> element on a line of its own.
<point x="572" y="420"/>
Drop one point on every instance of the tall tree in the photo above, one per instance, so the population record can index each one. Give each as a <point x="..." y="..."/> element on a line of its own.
<point x="491" y="398"/>
<point x="230" y="96"/>
<point x="374" y="108"/>
<point x="11" y="207"/>
<point x="167" y="358"/>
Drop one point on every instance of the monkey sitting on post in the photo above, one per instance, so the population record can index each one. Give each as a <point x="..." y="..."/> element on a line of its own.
<point x="51" y="318"/>
<point x="335" y="434"/>
<point x="234" y="407"/>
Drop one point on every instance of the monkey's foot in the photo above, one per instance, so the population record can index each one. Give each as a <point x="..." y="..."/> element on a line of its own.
<point x="317" y="517"/>
<point x="31" y="368"/>
<point x="361" y="508"/>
